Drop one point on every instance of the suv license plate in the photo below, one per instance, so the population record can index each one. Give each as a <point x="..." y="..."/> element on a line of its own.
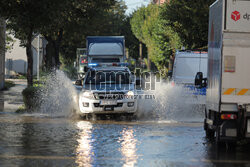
<point x="108" y="108"/>
<point x="108" y="102"/>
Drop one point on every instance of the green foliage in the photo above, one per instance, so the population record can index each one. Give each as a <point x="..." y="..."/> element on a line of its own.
<point x="189" y="19"/>
<point x="25" y="18"/>
<point x="21" y="109"/>
<point x="87" y="18"/>
<point x="132" y="43"/>
<point x="150" y="29"/>
<point x="65" y="25"/>
<point x="69" y="23"/>
<point x="70" y="71"/>
<point x="21" y="77"/>
<point x="8" y="85"/>
<point x="30" y="97"/>
<point x="9" y="42"/>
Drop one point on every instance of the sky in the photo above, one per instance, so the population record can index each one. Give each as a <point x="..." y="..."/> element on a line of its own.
<point x="133" y="4"/>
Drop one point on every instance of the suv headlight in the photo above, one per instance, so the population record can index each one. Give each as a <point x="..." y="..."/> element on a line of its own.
<point x="130" y="94"/>
<point x="88" y="95"/>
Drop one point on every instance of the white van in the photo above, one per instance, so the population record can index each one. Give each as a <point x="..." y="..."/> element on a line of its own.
<point x="186" y="66"/>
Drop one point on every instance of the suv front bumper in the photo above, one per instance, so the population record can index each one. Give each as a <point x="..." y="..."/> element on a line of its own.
<point x="94" y="106"/>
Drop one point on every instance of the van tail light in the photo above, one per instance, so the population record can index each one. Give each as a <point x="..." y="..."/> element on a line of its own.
<point x="228" y="116"/>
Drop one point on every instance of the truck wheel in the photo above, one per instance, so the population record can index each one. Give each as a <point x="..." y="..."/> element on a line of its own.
<point x="217" y="137"/>
<point x="209" y="133"/>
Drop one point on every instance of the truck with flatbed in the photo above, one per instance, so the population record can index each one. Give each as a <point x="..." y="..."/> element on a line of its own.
<point x="106" y="49"/>
<point x="81" y="62"/>
<point x="227" y="115"/>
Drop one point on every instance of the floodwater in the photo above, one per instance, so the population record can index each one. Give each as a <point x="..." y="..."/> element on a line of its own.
<point x="42" y="140"/>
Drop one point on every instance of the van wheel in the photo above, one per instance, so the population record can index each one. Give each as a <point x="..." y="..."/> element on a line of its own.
<point x="209" y="133"/>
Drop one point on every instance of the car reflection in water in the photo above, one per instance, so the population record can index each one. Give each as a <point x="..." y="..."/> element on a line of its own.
<point x="128" y="147"/>
<point x="84" y="148"/>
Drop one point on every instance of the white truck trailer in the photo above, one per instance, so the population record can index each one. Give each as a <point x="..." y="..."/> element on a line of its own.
<point x="228" y="93"/>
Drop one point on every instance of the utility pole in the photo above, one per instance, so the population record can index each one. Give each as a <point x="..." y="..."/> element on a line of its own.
<point x="38" y="56"/>
<point x="140" y="52"/>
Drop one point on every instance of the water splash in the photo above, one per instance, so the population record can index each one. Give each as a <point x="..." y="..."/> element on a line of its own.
<point x="170" y="103"/>
<point x="58" y="97"/>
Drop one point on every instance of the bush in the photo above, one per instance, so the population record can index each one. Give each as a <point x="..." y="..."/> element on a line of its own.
<point x="8" y="85"/>
<point x="21" y="109"/>
<point x="30" y="98"/>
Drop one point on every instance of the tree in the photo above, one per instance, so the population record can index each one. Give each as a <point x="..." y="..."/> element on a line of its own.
<point x="9" y="41"/>
<point x="69" y="23"/>
<point x="105" y="19"/>
<point x="132" y="43"/>
<point x="189" y="19"/>
<point x="25" y="17"/>
<point x="54" y="19"/>
<point x="160" y="40"/>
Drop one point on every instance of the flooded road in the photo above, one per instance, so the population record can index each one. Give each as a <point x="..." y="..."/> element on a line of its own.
<point x="41" y="140"/>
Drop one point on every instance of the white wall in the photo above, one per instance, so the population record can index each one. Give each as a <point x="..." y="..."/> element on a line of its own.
<point x="16" y="59"/>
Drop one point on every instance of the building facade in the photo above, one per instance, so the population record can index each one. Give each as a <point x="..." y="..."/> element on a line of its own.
<point x="16" y="59"/>
<point x="2" y="52"/>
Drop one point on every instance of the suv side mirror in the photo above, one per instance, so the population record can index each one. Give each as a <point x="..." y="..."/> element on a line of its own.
<point x="78" y="82"/>
<point x="198" y="79"/>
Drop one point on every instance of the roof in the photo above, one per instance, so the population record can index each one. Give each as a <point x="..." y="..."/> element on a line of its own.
<point x="111" y="68"/>
<point x="191" y="54"/>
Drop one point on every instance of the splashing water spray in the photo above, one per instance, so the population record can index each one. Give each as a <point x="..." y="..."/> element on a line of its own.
<point x="58" y="97"/>
<point x="170" y="103"/>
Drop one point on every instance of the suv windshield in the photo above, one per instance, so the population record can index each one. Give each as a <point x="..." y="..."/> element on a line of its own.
<point x="108" y="77"/>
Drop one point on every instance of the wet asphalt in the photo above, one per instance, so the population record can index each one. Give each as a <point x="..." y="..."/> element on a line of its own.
<point x="40" y="140"/>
